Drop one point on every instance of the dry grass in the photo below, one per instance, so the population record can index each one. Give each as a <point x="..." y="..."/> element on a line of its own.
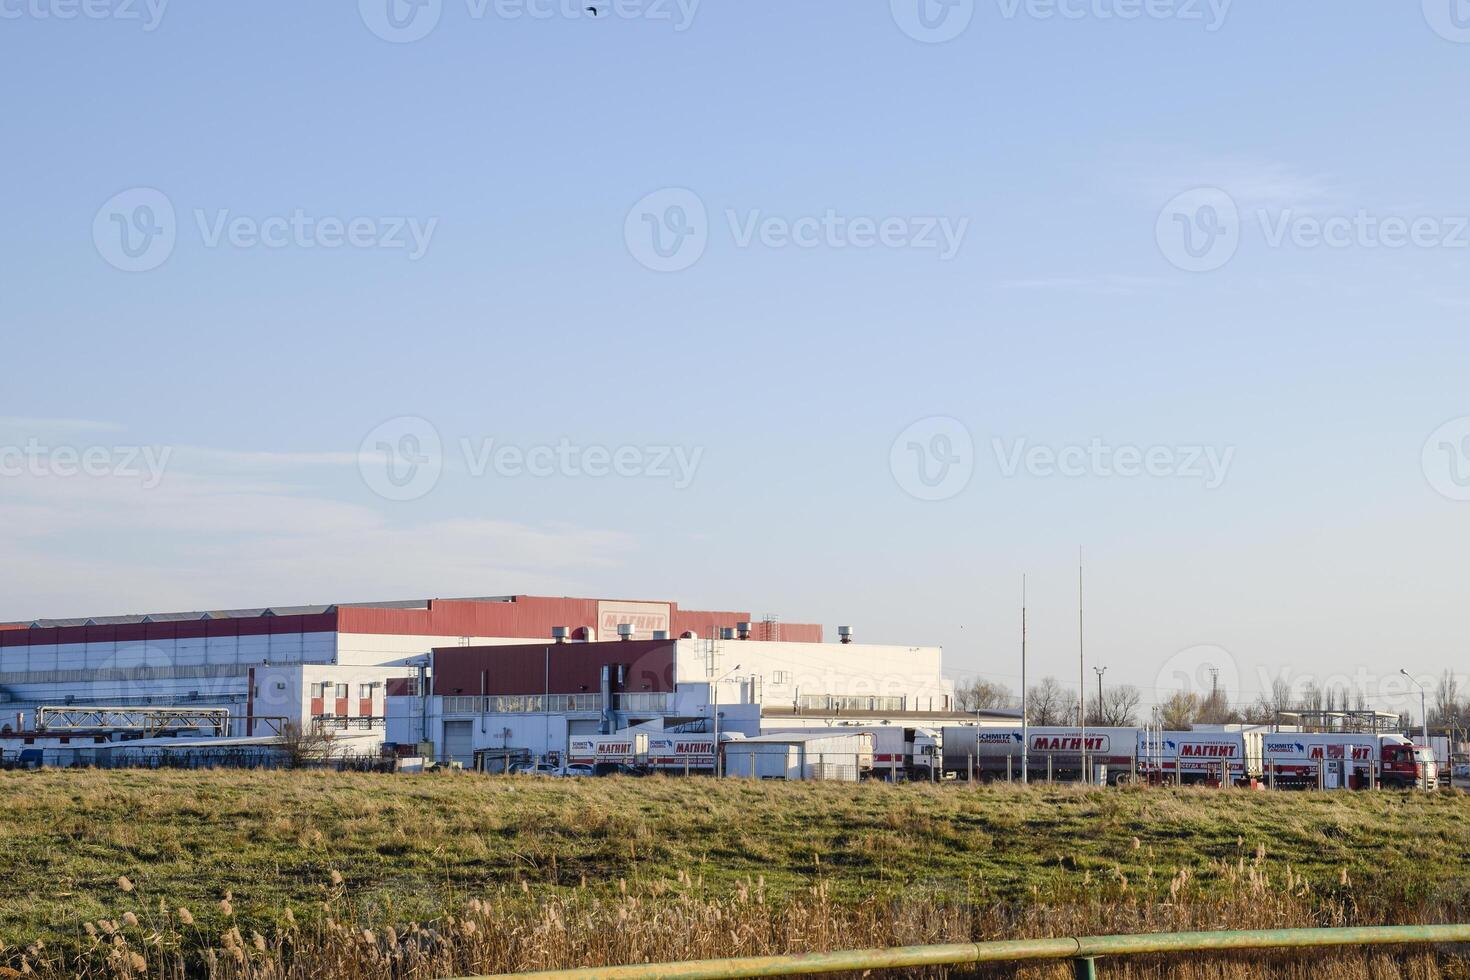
<point x="343" y="877"/>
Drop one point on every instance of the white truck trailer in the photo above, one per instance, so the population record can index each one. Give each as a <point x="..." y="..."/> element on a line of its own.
<point x="898" y="752"/>
<point x="1199" y="757"/>
<point x="991" y="753"/>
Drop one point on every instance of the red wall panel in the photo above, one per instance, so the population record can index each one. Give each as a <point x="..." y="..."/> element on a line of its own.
<point x="575" y="668"/>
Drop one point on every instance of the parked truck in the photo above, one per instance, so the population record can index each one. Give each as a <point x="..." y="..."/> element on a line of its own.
<point x="1346" y="760"/>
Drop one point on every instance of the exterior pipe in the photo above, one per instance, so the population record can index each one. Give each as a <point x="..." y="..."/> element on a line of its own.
<point x="1079" y="950"/>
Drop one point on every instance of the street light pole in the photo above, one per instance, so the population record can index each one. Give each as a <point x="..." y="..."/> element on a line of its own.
<point x="1099" y="671"/>
<point x="1025" y="721"/>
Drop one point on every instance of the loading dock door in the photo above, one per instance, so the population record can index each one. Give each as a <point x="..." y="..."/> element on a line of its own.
<point x="459" y="742"/>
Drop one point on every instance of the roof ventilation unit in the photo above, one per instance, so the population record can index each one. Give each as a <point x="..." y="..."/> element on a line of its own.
<point x="743" y="629"/>
<point x="625" y="631"/>
<point x="726" y="633"/>
<point x="560" y="633"/>
<point x="660" y="634"/>
<point x="844" y="633"/>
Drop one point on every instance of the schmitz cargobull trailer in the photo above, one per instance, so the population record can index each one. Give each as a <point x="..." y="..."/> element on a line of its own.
<point x="1194" y="758"/>
<point x="992" y="753"/>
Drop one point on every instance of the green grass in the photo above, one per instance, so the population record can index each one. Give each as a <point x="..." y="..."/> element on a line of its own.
<point x="409" y="846"/>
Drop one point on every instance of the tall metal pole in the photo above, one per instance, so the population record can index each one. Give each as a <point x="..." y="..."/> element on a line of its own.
<point x="1099" y="671"/>
<point x="1025" y="719"/>
<point x="1081" y="673"/>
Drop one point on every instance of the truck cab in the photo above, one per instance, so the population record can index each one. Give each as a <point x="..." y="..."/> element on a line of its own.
<point x="1409" y="766"/>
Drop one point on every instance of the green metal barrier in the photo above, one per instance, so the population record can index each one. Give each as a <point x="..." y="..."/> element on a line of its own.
<point x="1083" y="952"/>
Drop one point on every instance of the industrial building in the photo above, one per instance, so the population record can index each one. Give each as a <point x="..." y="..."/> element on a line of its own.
<point x="742" y="679"/>
<point x="326" y="665"/>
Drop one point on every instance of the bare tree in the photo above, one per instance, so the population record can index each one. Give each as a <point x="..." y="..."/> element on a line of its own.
<point x="983" y="695"/>
<point x="304" y="745"/>
<point x="1447" y="707"/>
<point x="1119" y="708"/>
<point x="1048" y="703"/>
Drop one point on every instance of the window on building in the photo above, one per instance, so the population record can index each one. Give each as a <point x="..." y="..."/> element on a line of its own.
<point x="341" y="690"/>
<point x="780" y="677"/>
<point x="364" y="692"/>
<point x="318" y="690"/>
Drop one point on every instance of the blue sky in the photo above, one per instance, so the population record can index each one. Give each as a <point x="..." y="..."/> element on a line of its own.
<point x="1061" y="152"/>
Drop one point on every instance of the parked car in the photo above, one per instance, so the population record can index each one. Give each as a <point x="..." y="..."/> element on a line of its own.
<point x="578" y="769"/>
<point x="536" y="769"/>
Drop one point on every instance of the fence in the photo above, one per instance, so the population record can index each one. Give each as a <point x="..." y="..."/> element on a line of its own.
<point x="1084" y="952"/>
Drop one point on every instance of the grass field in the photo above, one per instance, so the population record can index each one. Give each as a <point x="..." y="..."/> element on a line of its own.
<point x="377" y="851"/>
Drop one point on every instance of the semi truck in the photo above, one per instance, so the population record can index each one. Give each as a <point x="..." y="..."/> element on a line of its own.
<point x="1346" y="760"/>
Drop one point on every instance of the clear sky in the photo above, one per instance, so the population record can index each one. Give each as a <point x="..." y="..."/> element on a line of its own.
<point x="860" y="311"/>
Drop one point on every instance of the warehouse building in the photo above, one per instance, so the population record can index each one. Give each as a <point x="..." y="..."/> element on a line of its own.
<point x="327" y="666"/>
<point x="747" y="678"/>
